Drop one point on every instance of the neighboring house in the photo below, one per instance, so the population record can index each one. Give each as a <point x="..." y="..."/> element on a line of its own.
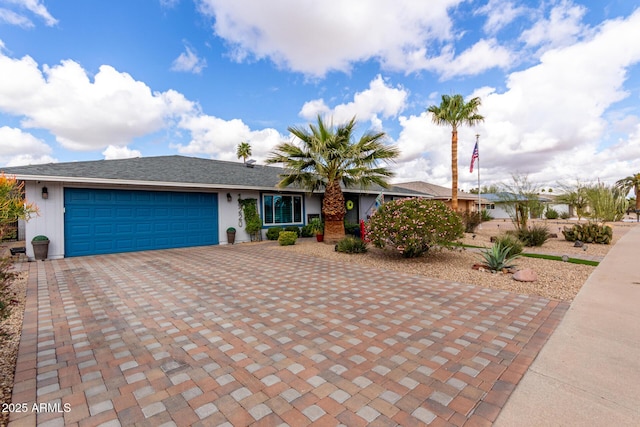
<point x="109" y="206"/>
<point x="497" y="204"/>
<point x="466" y="201"/>
<point x="551" y="201"/>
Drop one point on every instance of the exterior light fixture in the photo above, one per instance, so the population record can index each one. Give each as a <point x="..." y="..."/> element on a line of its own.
<point x="45" y="193"/>
<point x="229" y="198"/>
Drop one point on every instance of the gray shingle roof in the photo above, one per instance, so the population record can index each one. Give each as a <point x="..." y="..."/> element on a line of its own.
<point x="436" y="190"/>
<point x="168" y="169"/>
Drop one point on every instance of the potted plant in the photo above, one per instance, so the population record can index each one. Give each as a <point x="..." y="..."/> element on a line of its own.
<point x="317" y="228"/>
<point x="231" y="235"/>
<point x="40" y="245"/>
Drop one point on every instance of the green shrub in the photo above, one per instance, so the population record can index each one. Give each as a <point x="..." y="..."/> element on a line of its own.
<point x="307" y="231"/>
<point x="413" y="226"/>
<point x="497" y="257"/>
<point x="551" y="214"/>
<point x="486" y="216"/>
<point x="351" y="245"/>
<point x="287" y="238"/>
<point x="293" y="228"/>
<point x="535" y="235"/>
<point x="352" y="229"/>
<point x="471" y="221"/>
<point x="512" y="242"/>
<point x="565" y="215"/>
<point x="40" y="238"/>
<point x="590" y="232"/>
<point x="273" y="233"/>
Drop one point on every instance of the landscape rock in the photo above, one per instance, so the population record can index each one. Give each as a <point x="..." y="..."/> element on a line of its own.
<point x="578" y="244"/>
<point x="525" y="275"/>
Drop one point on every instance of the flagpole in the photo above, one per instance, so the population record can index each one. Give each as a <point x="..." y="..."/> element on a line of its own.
<point x="479" y="196"/>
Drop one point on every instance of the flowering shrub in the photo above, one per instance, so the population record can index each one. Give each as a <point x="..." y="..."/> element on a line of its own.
<point x="413" y="226"/>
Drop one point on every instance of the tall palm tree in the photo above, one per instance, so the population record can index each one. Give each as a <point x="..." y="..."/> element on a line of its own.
<point x="324" y="157"/>
<point x="454" y="112"/>
<point x="628" y="183"/>
<point x="243" y="150"/>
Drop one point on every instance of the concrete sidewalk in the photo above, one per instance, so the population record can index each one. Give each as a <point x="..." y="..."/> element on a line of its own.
<point x="589" y="371"/>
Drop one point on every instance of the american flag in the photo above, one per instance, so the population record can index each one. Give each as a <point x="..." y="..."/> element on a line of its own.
<point x="474" y="156"/>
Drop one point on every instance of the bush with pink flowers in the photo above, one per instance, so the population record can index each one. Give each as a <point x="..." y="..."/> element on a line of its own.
<point x="413" y="226"/>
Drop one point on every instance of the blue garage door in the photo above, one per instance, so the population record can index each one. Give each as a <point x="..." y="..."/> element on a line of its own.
<point x="110" y="221"/>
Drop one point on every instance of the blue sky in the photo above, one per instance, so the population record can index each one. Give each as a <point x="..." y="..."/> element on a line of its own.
<point x="559" y="80"/>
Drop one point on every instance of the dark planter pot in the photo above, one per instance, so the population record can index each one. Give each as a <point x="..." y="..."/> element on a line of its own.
<point x="320" y="237"/>
<point x="40" y="249"/>
<point x="231" y="237"/>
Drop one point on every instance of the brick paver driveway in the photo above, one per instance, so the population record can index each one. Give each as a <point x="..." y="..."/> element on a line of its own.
<point x="253" y="334"/>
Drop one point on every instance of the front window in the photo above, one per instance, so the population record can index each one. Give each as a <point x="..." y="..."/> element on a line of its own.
<point x="280" y="209"/>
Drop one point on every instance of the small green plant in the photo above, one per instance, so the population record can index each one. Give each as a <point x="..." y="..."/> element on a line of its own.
<point x="351" y="245"/>
<point x="317" y="227"/>
<point x="306" y="231"/>
<point x="273" y="233"/>
<point x="590" y="232"/>
<point x="253" y="223"/>
<point x="551" y="214"/>
<point x="287" y="238"/>
<point x="496" y="258"/>
<point x="471" y="221"/>
<point x="231" y="230"/>
<point x="565" y="215"/>
<point x="40" y="238"/>
<point x="293" y="228"/>
<point x="512" y="242"/>
<point x="535" y="235"/>
<point x="352" y="229"/>
<point x="486" y="216"/>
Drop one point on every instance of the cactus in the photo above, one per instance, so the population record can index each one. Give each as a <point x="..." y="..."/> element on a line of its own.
<point x="590" y="232"/>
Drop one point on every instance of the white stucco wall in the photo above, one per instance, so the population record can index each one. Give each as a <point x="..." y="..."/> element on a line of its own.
<point x="228" y="214"/>
<point x="50" y="218"/>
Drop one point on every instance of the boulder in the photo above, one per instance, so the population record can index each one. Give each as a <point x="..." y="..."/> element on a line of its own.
<point x="525" y="275"/>
<point x="578" y="244"/>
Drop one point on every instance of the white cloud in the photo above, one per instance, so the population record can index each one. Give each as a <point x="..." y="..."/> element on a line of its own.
<point x="551" y="120"/>
<point x="15" y="143"/>
<point x="499" y="14"/>
<point x="380" y="99"/>
<point x="34" y="6"/>
<point x="332" y="34"/>
<point x="218" y="138"/>
<point x="482" y="56"/>
<point x="113" y="152"/>
<point x="189" y="61"/>
<point x="563" y="27"/>
<point x="113" y="109"/>
<point x="12" y="18"/>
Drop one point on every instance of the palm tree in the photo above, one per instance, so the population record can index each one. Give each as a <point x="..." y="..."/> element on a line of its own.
<point x="454" y="112"/>
<point x="631" y="182"/>
<point x="326" y="157"/>
<point x="244" y="151"/>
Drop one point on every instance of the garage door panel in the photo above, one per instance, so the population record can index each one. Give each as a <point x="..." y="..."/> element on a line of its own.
<point x="106" y="221"/>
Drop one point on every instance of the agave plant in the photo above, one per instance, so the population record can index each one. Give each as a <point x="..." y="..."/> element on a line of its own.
<point x="497" y="258"/>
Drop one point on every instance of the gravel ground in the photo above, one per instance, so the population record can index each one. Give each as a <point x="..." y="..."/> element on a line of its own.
<point x="556" y="280"/>
<point x="10" y="340"/>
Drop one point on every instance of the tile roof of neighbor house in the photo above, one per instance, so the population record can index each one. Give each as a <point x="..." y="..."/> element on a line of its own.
<point x="169" y="171"/>
<point x="436" y="190"/>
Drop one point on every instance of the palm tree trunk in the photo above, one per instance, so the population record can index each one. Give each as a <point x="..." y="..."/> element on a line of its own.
<point x="333" y="211"/>
<point x="454" y="170"/>
<point x="637" y="191"/>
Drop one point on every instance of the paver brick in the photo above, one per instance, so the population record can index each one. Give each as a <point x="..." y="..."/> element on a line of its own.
<point x="162" y="336"/>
